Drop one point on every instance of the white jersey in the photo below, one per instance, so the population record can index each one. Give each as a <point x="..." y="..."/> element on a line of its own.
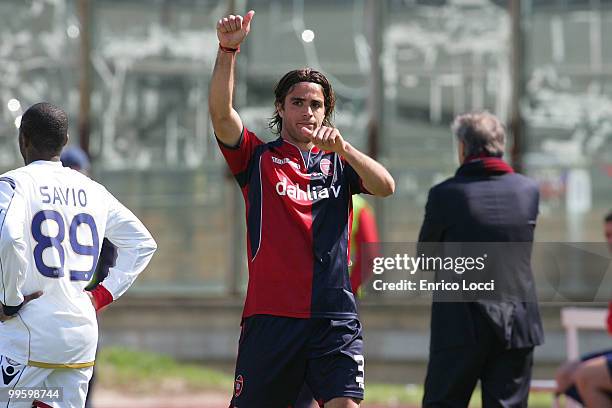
<point x="52" y="223"/>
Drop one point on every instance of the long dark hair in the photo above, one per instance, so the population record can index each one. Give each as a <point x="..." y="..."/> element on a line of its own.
<point x="286" y="83"/>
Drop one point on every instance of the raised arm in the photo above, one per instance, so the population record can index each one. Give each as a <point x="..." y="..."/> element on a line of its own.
<point x="231" y="31"/>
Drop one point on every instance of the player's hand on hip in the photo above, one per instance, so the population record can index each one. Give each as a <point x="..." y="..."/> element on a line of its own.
<point x="26" y="299"/>
<point x="32" y="296"/>
<point x="328" y="138"/>
<point x="232" y="30"/>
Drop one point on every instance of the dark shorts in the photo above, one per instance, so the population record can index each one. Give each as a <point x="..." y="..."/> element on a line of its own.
<point x="573" y="391"/>
<point x="277" y="355"/>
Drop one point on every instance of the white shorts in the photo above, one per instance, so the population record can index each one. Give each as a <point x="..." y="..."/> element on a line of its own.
<point x="73" y="383"/>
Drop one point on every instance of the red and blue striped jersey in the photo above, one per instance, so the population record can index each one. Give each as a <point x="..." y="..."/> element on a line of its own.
<point x="298" y="215"/>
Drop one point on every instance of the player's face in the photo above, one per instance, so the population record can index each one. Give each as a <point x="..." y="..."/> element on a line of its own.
<point x="303" y="111"/>
<point x="608" y="233"/>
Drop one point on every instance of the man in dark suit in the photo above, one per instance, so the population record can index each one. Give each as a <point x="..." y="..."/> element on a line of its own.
<point x="490" y="341"/>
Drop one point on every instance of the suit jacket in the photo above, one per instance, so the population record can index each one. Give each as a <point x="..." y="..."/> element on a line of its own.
<point x="478" y="205"/>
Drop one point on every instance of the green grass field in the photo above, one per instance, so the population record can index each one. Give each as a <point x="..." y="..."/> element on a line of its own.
<point x="138" y="372"/>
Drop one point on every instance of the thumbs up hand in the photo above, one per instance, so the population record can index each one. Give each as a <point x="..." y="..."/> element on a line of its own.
<point x="232" y="30"/>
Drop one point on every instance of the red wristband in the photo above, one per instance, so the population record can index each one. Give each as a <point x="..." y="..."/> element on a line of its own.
<point x="102" y="297"/>
<point x="229" y="50"/>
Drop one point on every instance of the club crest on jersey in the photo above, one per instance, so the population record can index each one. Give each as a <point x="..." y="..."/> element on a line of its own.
<point x="325" y="165"/>
<point x="10" y="369"/>
<point x="238" y="385"/>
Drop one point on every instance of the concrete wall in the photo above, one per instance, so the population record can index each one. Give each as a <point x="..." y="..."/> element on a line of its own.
<point x="396" y="336"/>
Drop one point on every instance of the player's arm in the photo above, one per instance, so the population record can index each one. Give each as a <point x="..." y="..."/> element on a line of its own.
<point x="231" y="31"/>
<point x="11" y="273"/>
<point x="376" y="179"/>
<point x="134" y="245"/>
<point x="13" y="263"/>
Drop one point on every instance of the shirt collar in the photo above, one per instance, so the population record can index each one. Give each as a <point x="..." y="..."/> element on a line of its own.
<point x="295" y="151"/>
<point x="46" y="163"/>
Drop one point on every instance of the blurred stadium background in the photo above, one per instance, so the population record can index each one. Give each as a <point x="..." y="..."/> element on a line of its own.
<point x="133" y="76"/>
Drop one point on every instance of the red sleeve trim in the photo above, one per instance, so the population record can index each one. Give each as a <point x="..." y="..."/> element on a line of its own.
<point x="102" y="297"/>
